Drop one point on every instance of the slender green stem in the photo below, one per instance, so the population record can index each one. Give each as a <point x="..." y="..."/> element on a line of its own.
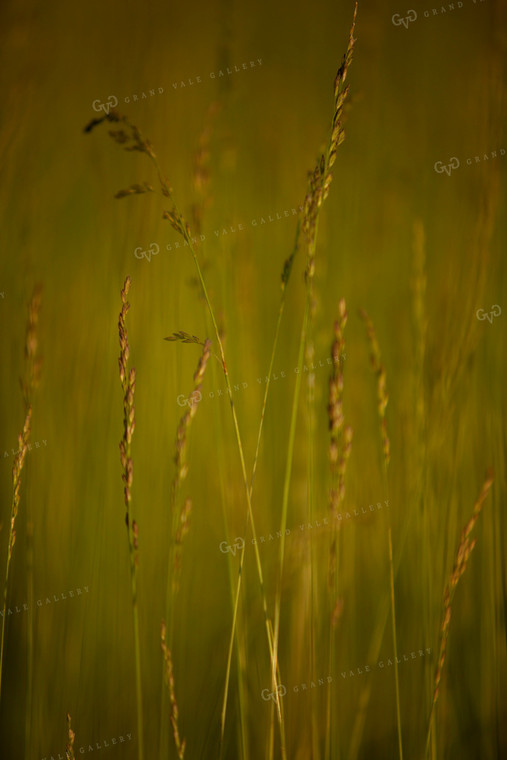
<point x="29" y="628"/>
<point x="137" y="643"/>
<point x="3" y="618"/>
<point x="379" y="370"/>
<point x="186" y="235"/>
<point x="395" y="638"/>
<point x="291" y="442"/>
<point x="311" y="502"/>
<point x="374" y="649"/>
<point x="254" y="467"/>
<point x="238" y="439"/>
<point x="318" y="190"/>
<point x="137" y="650"/>
<point x="288" y="469"/>
<point x="273" y="350"/>
<point x="183" y="229"/>
<point x="127" y="379"/>
<point x="229" y="661"/>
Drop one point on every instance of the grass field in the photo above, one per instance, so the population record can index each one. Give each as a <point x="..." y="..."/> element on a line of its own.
<point x="307" y="587"/>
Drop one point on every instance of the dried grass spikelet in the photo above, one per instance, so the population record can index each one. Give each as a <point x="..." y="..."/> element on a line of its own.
<point x="379" y="369"/>
<point x="69" y="747"/>
<point x="321" y="177"/>
<point x="186" y="420"/>
<point x="28" y="386"/>
<point x="169" y="676"/>
<point x="134" y="190"/>
<point x="181" y="527"/>
<point x="310" y="356"/>
<point x="33" y="364"/>
<point x="184" y="337"/>
<point x="177" y="222"/>
<point x="141" y="144"/>
<point x="17" y="468"/>
<point x="465" y="549"/>
<point x="128" y="383"/>
<point x="340" y="442"/>
<point x="136" y="142"/>
<point x="181" y="532"/>
<point x="340" y="437"/>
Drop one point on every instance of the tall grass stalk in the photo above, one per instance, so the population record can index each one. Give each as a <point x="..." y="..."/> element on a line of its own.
<point x="201" y="182"/>
<point x="236" y="633"/>
<point x="419" y="405"/>
<point x="373" y="651"/>
<point x="29" y="633"/>
<point x="285" y="279"/>
<point x="339" y="452"/>
<point x="310" y="502"/>
<point x="168" y="663"/>
<point x="33" y="370"/>
<point x="177" y="221"/>
<point x="319" y="183"/>
<point x="319" y="188"/>
<point x="28" y="385"/>
<point x="379" y="369"/>
<point x="465" y="548"/>
<point x="179" y="519"/>
<point x="128" y="383"/>
<point x="180" y="516"/>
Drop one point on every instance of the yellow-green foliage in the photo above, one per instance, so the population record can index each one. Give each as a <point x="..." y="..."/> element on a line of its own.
<point x="419" y="250"/>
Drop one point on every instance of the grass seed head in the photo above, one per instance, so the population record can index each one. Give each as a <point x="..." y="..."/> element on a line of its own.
<point x="69" y="748"/>
<point x="128" y="383"/>
<point x="340" y="442"/>
<point x="169" y="678"/>
<point x="463" y="553"/>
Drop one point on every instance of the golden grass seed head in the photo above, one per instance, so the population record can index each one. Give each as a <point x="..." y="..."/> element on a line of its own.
<point x="175" y="220"/>
<point x="169" y="677"/>
<point x="464" y="551"/>
<point x="186" y="419"/>
<point x="128" y="382"/>
<point x="69" y="747"/>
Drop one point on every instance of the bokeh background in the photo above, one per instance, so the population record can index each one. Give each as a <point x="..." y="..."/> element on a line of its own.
<point x="424" y="90"/>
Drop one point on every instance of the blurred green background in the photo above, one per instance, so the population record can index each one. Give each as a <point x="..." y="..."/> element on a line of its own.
<point x="421" y="93"/>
